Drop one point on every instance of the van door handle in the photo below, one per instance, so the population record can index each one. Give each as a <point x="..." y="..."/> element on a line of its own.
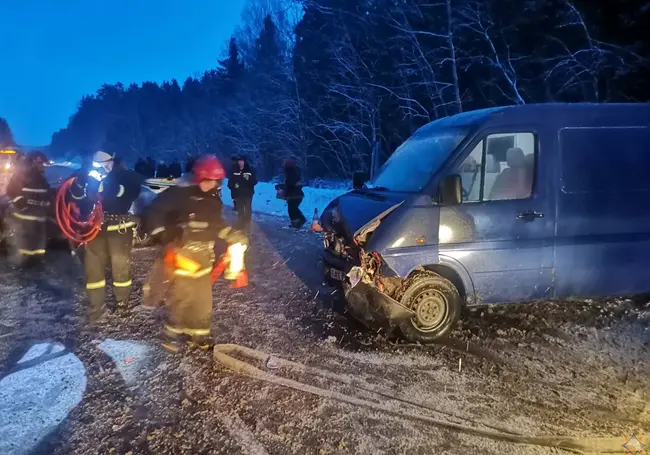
<point x="529" y="216"/>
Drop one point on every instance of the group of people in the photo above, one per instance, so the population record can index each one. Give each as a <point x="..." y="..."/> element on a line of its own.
<point x="242" y="180"/>
<point x="186" y="218"/>
<point x="150" y="169"/>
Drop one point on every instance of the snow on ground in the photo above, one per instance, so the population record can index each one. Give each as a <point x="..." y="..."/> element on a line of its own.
<point x="571" y="369"/>
<point x="265" y="200"/>
<point x="36" y="399"/>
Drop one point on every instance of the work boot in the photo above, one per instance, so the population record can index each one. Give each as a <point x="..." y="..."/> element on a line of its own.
<point x="172" y="346"/>
<point x="171" y="341"/>
<point x="200" y="342"/>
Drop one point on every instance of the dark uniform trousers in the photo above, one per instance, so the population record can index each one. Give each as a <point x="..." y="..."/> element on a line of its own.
<point x="190" y="311"/>
<point x="244" y="211"/>
<point x="27" y="237"/>
<point x="295" y="214"/>
<point x="112" y="246"/>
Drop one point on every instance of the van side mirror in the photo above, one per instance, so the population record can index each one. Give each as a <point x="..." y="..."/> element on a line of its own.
<point x="451" y="190"/>
<point x="359" y="179"/>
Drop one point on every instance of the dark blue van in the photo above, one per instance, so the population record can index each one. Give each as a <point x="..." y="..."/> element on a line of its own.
<point x="510" y="204"/>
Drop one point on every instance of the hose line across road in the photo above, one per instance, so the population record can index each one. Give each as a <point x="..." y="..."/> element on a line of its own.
<point x="223" y="354"/>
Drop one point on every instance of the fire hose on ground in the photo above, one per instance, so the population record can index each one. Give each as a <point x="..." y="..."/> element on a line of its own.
<point x="223" y="354"/>
<point x="68" y="217"/>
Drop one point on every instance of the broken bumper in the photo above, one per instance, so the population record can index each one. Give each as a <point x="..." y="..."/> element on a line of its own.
<point x="374" y="308"/>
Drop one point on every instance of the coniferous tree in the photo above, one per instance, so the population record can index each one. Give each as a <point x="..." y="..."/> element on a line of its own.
<point x="6" y="136"/>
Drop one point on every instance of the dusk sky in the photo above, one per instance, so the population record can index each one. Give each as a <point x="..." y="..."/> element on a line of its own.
<point x="52" y="52"/>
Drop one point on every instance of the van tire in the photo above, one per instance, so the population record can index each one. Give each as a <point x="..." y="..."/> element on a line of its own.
<point x="437" y="304"/>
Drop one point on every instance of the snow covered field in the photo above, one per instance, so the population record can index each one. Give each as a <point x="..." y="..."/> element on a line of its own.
<point x="265" y="201"/>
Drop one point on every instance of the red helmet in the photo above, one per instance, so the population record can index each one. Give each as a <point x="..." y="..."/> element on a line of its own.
<point x="208" y="168"/>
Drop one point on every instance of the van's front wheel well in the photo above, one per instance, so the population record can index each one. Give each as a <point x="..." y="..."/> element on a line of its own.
<point x="449" y="274"/>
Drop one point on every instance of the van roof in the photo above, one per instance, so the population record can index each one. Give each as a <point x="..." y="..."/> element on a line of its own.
<point x="573" y="114"/>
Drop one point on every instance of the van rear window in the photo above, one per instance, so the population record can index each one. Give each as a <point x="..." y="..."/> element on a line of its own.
<point x="605" y="160"/>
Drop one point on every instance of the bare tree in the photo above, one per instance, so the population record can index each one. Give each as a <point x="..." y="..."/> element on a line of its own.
<point x="427" y="51"/>
<point x="494" y="50"/>
<point x="582" y="64"/>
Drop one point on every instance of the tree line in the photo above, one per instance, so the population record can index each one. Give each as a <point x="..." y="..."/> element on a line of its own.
<point x="332" y="82"/>
<point x="6" y="136"/>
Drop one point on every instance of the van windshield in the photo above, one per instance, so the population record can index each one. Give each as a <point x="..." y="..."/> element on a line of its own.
<point x="413" y="164"/>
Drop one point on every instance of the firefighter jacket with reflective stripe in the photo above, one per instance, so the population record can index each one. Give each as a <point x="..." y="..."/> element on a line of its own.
<point x="119" y="189"/>
<point x="197" y="214"/>
<point x="30" y="194"/>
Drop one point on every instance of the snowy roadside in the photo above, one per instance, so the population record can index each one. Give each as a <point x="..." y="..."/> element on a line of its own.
<point x="265" y="200"/>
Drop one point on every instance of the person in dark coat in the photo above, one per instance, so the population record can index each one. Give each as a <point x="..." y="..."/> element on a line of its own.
<point x="242" y="183"/>
<point x="150" y="167"/>
<point x="175" y="169"/>
<point x="140" y="167"/>
<point x="189" y="164"/>
<point x="293" y="192"/>
<point x="163" y="171"/>
<point x="233" y="167"/>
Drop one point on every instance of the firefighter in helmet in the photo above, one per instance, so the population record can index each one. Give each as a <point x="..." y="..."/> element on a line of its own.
<point x="29" y="192"/>
<point x="194" y="212"/>
<point x="112" y="246"/>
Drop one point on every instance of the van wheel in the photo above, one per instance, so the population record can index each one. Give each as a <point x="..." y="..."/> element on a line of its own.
<point x="437" y="306"/>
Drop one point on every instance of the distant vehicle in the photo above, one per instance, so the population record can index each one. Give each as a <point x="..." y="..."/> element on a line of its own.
<point x="8" y="161"/>
<point x="509" y="204"/>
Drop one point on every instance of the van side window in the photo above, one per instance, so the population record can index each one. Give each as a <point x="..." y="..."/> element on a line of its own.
<point x="509" y="167"/>
<point x="470" y="174"/>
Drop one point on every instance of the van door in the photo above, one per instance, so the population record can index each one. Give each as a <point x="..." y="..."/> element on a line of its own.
<point x="503" y="232"/>
<point x="603" y="217"/>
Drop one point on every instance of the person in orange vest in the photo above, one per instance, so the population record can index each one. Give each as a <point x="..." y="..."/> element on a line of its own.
<point x="194" y="213"/>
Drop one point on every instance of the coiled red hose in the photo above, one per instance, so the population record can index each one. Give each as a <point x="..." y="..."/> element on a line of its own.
<point x="69" y="219"/>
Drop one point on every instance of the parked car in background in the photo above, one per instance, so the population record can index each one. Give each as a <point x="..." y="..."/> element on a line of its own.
<point x="509" y="204"/>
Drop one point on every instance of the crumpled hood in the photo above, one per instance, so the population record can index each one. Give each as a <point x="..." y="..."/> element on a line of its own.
<point x="348" y="213"/>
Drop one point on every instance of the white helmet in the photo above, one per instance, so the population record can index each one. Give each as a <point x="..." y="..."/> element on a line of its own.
<point x="102" y="157"/>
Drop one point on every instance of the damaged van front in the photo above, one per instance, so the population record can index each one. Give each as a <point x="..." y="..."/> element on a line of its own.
<point x="511" y="204"/>
<point x="381" y="241"/>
